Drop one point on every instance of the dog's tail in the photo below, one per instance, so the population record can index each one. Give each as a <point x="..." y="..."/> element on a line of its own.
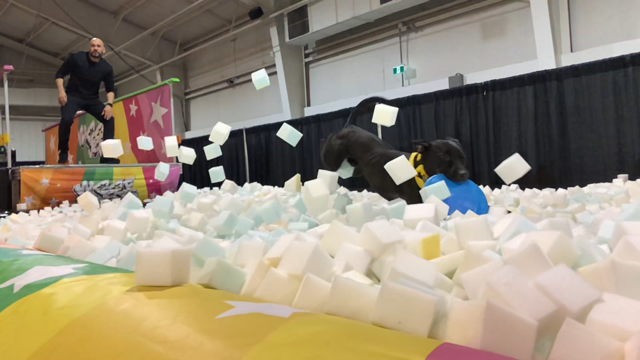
<point x="364" y="104"/>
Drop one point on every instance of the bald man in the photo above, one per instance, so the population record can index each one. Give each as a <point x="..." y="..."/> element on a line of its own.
<point x="87" y="69"/>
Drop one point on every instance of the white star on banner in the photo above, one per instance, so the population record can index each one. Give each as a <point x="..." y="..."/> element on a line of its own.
<point x="52" y="143"/>
<point x="70" y="159"/>
<point x="53" y="202"/>
<point x="143" y="133"/>
<point x="158" y="111"/>
<point x="44" y="182"/>
<point x="242" y="308"/>
<point x="38" y="273"/>
<point x="133" y="108"/>
<point x="28" y="200"/>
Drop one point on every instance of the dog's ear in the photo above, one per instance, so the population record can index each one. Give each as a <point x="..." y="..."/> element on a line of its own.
<point x="455" y="141"/>
<point x="421" y="146"/>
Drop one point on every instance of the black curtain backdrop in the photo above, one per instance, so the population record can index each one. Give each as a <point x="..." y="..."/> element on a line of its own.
<point x="232" y="160"/>
<point x="574" y="125"/>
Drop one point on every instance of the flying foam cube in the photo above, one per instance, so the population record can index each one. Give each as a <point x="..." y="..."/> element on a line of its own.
<point x="216" y="174"/>
<point x="88" y="202"/>
<point x="289" y="134"/>
<point x="144" y="143"/>
<point x="278" y="288"/>
<point x="385" y="115"/>
<point x="439" y="190"/>
<point x="316" y="197"/>
<point x="577" y="341"/>
<point x="220" y="133"/>
<point x="212" y="151"/>
<point x="400" y="170"/>
<point x="260" y="79"/>
<point x="294" y="184"/>
<point x="513" y="168"/>
<point x="487" y="326"/>
<point x="186" y="155"/>
<point x="163" y="266"/>
<point x="415" y="213"/>
<point x="404" y="309"/>
<point x="171" y="146"/>
<point x="351" y="299"/>
<point x="301" y="258"/>
<point x="313" y="294"/>
<point x="111" y="148"/>
<point x="574" y="296"/>
<point x="222" y="275"/>
<point x="162" y="171"/>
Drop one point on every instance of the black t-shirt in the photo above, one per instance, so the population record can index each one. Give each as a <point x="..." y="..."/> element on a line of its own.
<point x="86" y="76"/>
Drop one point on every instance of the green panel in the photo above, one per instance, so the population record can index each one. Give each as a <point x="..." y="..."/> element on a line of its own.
<point x="87" y="129"/>
<point x="170" y="81"/>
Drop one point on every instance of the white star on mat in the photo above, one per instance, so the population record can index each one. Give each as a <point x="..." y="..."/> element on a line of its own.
<point x="158" y="111"/>
<point x="133" y="108"/>
<point x="44" y="182"/>
<point x="53" y="202"/>
<point x="242" y="308"/>
<point x="33" y="252"/>
<point x="70" y="159"/>
<point x="52" y="143"/>
<point x="28" y="200"/>
<point x="38" y="273"/>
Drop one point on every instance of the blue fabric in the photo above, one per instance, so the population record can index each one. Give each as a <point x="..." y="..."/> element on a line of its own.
<point x="465" y="196"/>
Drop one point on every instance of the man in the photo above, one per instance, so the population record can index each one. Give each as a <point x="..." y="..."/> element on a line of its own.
<point x="87" y="70"/>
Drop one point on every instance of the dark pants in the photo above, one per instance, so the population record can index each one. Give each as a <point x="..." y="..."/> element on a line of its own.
<point x="68" y="112"/>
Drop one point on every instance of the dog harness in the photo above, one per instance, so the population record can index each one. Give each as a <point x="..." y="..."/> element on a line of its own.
<point x="422" y="176"/>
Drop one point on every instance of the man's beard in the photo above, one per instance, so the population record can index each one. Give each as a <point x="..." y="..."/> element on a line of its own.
<point x="99" y="56"/>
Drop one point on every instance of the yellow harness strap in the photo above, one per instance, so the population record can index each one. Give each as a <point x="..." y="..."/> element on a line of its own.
<point x="422" y="176"/>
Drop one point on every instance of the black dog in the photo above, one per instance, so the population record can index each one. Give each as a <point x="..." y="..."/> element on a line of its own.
<point x="368" y="154"/>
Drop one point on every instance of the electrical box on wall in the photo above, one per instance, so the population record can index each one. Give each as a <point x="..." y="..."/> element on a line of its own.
<point x="456" y="80"/>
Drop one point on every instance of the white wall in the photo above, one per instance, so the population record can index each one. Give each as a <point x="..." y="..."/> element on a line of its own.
<point x="236" y="104"/>
<point x="478" y="41"/>
<point x="28" y="139"/>
<point x="600" y="22"/>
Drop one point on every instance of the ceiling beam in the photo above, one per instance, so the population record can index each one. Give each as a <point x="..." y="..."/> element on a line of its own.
<point x="37" y="32"/>
<point x="71" y="46"/>
<point x="34" y="53"/>
<point x="4" y="8"/>
<point x="127" y="8"/>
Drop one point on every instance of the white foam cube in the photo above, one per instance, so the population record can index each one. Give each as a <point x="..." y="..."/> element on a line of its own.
<point x="385" y="115"/>
<point x="249" y="251"/>
<point x="21" y="207"/>
<point x="345" y="170"/>
<point x="81" y="250"/>
<point x="206" y="248"/>
<point x="448" y="264"/>
<point x="617" y="317"/>
<point x="473" y="280"/>
<point x="628" y="249"/>
<point x="256" y="272"/>
<point x="632" y="348"/>
<point x="627" y="276"/>
<point x="439" y="190"/>
<point x="163" y="266"/>
<point x="222" y="275"/>
<point x="313" y="294"/>
<point x="144" y="143"/>
<point x="330" y="179"/>
<point x="576" y="341"/>
<point x="509" y="287"/>
<point x="111" y="148"/>
<point x="337" y="234"/>
<point x="294" y="184"/>
<point x="557" y="246"/>
<point x="443" y="209"/>
<point x="138" y="221"/>
<point x="212" y="151"/>
<point x="488" y="326"/>
<point x="260" y="79"/>
<point x="468" y="261"/>
<point x="194" y="221"/>
<point x="351" y="257"/>
<point x="530" y="260"/>
<point x="88" y="202"/>
<point x="289" y="134"/>
<point x="51" y="240"/>
<point x="513" y="168"/>
<point x="186" y="155"/>
<point x="400" y="170"/>
<point x="171" y="146"/>
<point x="301" y="258"/>
<point x="476" y="229"/>
<point x="378" y="236"/>
<point x="574" y="296"/>
<point x="216" y="174"/>
<point x="81" y="231"/>
<point x="115" y="229"/>
<point x="415" y="213"/>
<point x="278" y="288"/>
<point x="162" y="171"/>
<point x="351" y="299"/>
<point x="610" y="233"/>
<point x="316" y="197"/>
<point x="404" y="309"/>
<point x="408" y="267"/>
<point x="220" y="133"/>
<point x="358" y="214"/>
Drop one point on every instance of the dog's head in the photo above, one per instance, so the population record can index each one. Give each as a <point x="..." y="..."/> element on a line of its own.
<point x="443" y="157"/>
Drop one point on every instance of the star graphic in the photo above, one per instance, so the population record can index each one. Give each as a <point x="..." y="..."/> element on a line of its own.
<point x="70" y="159"/>
<point x="53" y="202"/>
<point x="52" y="143"/>
<point x="133" y="108"/>
<point x="33" y="252"/>
<point x="242" y="308"/>
<point x="44" y="182"/>
<point x="38" y="273"/>
<point x="143" y="133"/>
<point x="158" y="111"/>
<point x="28" y="200"/>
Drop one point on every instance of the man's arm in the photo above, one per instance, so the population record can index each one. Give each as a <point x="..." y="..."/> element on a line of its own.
<point x="109" y="87"/>
<point x="64" y="70"/>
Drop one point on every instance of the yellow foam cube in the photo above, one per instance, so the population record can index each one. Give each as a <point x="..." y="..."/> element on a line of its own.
<point x="431" y="247"/>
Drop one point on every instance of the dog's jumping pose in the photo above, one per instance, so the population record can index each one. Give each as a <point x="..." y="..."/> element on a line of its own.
<point x="368" y="154"/>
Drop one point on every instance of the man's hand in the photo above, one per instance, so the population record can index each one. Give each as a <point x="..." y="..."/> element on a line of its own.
<point x="62" y="98"/>
<point x="107" y="112"/>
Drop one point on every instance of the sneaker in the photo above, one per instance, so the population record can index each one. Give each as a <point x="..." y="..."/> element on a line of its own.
<point x="63" y="159"/>
<point x="104" y="160"/>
